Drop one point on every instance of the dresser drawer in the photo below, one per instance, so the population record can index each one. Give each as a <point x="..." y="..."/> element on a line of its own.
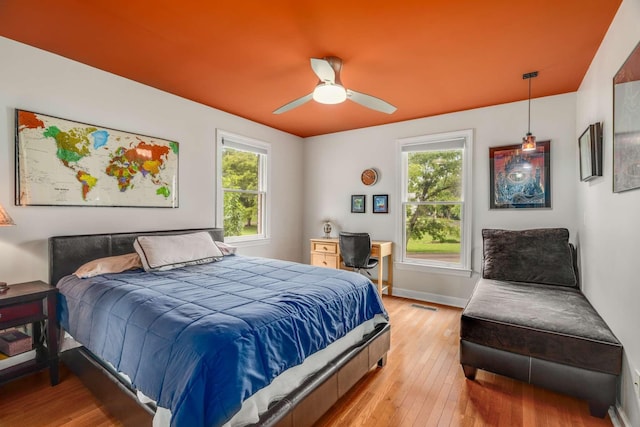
<point x="324" y="260"/>
<point x="21" y="311"/>
<point x="325" y="247"/>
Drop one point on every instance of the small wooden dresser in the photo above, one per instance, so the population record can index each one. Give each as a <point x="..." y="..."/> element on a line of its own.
<point x="325" y="253"/>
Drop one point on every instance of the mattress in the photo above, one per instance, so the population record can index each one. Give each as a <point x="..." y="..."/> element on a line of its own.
<point x="201" y="340"/>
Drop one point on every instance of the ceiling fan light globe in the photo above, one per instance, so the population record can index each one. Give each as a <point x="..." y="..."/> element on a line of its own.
<point x="327" y="93"/>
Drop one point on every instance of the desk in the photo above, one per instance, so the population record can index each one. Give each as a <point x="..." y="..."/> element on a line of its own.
<point x="326" y="253"/>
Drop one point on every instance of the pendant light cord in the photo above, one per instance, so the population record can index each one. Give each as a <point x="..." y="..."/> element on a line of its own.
<point x="529" y="123"/>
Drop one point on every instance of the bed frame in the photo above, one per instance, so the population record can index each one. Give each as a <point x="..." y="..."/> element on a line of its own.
<point x="300" y="408"/>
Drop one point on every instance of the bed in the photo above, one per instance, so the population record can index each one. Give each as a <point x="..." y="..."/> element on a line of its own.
<point x="354" y="344"/>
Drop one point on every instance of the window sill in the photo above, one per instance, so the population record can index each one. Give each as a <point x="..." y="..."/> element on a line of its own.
<point x="247" y="242"/>
<point x="435" y="269"/>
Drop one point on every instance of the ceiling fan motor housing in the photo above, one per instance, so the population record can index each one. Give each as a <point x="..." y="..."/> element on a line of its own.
<point x="330" y="90"/>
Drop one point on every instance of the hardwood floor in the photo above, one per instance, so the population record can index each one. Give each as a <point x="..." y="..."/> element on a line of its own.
<point x="421" y="385"/>
<point x="32" y="402"/>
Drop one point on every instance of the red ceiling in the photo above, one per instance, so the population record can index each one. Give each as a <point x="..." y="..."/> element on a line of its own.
<point x="249" y="57"/>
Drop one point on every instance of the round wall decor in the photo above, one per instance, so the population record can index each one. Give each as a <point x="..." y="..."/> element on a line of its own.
<point x="369" y="176"/>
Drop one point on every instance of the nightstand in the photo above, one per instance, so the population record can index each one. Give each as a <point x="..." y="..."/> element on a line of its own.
<point x="325" y="253"/>
<point x="31" y="303"/>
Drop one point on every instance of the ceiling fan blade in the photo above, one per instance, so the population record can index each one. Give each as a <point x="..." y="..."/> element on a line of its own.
<point x="293" y="104"/>
<point x="370" y="101"/>
<point x="323" y="70"/>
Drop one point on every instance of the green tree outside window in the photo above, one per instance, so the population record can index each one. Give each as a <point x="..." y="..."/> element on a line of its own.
<point x="242" y="194"/>
<point x="433" y="205"/>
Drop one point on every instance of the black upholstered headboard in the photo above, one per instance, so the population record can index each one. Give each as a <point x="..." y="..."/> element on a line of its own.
<point x="67" y="253"/>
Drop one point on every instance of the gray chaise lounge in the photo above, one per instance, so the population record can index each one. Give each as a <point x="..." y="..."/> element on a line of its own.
<point x="528" y="320"/>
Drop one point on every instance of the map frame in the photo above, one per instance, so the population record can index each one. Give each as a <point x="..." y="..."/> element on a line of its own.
<point x="156" y="176"/>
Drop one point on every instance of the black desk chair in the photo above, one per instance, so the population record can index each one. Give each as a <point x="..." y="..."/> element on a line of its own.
<point x="355" y="249"/>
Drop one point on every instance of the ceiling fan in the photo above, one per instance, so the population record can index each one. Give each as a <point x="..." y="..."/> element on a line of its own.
<point x="329" y="89"/>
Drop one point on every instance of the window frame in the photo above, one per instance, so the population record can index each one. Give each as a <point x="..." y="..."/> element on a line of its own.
<point x="437" y="141"/>
<point x="256" y="146"/>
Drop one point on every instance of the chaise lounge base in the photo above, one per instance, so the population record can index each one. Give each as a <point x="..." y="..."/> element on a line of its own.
<point x="597" y="388"/>
<point x="538" y="328"/>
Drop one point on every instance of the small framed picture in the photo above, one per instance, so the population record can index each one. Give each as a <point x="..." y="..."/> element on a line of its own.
<point x="590" y="147"/>
<point x="381" y="203"/>
<point x="358" y="202"/>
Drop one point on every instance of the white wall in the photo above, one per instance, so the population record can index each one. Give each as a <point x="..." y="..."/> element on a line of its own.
<point x="334" y="163"/>
<point x="35" y="80"/>
<point x="609" y="232"/>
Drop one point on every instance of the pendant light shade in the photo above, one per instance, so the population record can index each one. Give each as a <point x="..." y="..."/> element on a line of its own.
<point x="529" y="141"/>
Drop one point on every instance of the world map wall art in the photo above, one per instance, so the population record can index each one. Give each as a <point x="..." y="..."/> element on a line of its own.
<point x="62" y="162"/>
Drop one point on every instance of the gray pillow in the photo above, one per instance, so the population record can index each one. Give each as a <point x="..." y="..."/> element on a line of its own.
<point x="165" y="252"/>
<point x="535" y="256"/>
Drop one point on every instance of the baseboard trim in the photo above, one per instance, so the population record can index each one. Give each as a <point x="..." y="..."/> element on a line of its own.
<point x="429" y="297"/>
<point x="618" y="416"/>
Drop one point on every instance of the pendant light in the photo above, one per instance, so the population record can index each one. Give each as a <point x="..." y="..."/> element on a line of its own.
<point x="529" y="141"/>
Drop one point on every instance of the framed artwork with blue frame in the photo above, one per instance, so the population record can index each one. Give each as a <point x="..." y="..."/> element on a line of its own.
<point x="381" y="203"/>
<point x="520" y="179"/>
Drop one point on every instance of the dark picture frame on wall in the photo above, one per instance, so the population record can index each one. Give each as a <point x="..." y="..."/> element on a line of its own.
<point x="358" y="203"/>
<point x="590" y="148"/>
<point x="520" y="179"/>
<point x="626" y="124"/>
<point x="381" y="203"/>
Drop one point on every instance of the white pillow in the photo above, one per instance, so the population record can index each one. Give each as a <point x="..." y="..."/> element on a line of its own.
<point x="112" y="264"/>
<point x="159" y="253"/>
<point x="225" y="248"/>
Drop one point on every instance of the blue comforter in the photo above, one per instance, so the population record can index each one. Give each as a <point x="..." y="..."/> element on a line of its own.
<point x="202" y="339"/>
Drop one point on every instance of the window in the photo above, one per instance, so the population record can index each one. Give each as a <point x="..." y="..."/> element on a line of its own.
<point x="242" y="202"/>
<point x="435" y="219"/>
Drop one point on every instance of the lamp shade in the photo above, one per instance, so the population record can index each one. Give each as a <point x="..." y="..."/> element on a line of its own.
<point x="5" y="219"/>
<point x="529" y="142"/>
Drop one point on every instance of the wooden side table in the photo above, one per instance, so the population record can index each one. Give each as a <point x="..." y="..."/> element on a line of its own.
<point x="325" y="253"/>
<point x="32" y="303"/>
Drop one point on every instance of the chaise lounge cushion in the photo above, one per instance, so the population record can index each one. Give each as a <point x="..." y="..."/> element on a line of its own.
<point x="541" y="256"/>
<point x="555" y="323"/>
